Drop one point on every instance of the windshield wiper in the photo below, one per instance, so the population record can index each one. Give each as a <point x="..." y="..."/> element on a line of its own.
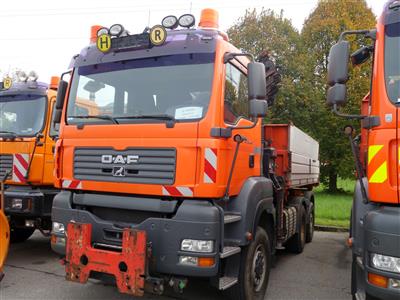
<point x="101" y="117"/>
<point x="12" y="134"/>
<point x="157" y="117"/>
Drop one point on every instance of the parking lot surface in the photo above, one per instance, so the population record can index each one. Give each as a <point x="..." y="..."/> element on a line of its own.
<point x="322" y="271"/>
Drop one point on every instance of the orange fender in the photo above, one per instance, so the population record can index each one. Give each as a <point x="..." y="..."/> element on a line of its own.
<point x="4" y="240"/>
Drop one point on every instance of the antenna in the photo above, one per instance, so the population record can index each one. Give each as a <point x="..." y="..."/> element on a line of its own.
<point x="148" y="20"/>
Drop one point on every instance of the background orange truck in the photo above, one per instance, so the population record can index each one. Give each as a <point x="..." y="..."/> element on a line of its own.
<point x="26" y="151"/>
<point x="375" y="221"/>
<point x="176" y="176"/>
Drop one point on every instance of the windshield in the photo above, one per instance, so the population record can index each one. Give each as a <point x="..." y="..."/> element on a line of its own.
<point x="392" y="61"/>
<point x="175" y="87"/>
<point x="22" y="115"/>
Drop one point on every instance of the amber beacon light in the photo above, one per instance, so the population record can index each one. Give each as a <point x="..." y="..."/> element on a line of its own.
<point x="209" y="18"/>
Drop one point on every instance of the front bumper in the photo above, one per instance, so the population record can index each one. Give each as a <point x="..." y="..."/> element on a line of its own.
<point x="193" y="219"/>
<point x="382" y="236"/>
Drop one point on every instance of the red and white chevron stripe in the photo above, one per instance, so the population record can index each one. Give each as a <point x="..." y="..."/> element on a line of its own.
<point x="177" y="191"/>
<point x="210" y="165"/>
<point x="72" y="184"/>
<point x="20" y="167"/>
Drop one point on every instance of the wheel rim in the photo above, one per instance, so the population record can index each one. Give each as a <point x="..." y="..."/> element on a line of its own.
<point x="259" y="267"/>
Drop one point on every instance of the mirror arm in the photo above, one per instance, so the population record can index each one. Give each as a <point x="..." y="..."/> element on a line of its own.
<point x="367" y="33"/>
<point x="228" y="56"/>
<point x="66" y="73"/>
<point x="346" y="116"/>
<point x="254" y="120"/>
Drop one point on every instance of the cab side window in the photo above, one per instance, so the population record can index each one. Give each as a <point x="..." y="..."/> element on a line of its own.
<point x="236" y="100"/>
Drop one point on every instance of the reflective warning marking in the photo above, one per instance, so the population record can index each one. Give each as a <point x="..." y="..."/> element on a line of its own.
<point x="372" y="151"/>
<point x="380" y="175"/>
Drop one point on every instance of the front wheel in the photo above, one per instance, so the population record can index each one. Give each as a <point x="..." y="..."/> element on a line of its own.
<point x="19" y="235"/>
<point x="255" y="266"/>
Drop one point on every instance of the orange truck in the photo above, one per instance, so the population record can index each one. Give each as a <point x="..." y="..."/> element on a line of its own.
<point x="4" y="231"/>
<point x="26" y="153"/>
<point x="177" y="176"/>
<point x="375" y="221"/>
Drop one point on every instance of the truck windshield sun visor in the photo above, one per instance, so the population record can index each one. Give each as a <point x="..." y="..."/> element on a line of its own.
<point x="22" y="115"/>
<point x="174" y="87"/>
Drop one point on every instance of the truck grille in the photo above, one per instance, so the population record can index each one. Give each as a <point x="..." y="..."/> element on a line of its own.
<point x="134" y="165"/>
<point x="6" y="163"/>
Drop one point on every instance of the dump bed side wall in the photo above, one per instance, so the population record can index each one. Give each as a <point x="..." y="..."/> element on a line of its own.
<point x="297" y="152"/>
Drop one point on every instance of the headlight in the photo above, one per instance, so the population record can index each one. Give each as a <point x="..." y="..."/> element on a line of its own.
<point x="197" y="246"/>
<point x="170" y="22"/>
<point x="385" y="263"/>
<point x="116" y="30"/>
<point x="186" y="20"/>
<point x="58" y="228"/>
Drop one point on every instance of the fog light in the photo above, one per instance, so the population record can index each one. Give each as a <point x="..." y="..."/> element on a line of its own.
<point x="394" y="283"/>
<point x="57" y="240"/>
<point x="16" y="203"/>
<point x="188" y="260"/>
<point x="197" y="246"/>
<point x="29" y="223"/>
<point x="58" y="228"/>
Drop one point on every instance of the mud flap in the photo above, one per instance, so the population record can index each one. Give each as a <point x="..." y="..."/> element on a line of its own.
<point x="128" y="266"/>
<point x="4" y="241"/>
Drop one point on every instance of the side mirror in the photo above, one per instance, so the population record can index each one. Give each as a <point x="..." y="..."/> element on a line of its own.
<point x="258" y="108"/>
<point x="256" y="81"/>
<point x="257" y="90"/>
<point x="361" y="55"/>
<point x="338" y="65"/>
<point x="337" y="94"/>
<point x="61" y="92"/>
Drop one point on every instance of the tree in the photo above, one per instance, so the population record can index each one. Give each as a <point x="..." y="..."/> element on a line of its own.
<point x="268" y="31"/>
<point x="321" y="30"/>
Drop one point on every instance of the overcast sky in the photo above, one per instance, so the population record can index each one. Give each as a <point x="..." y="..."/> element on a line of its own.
<point x="44" y="35"/>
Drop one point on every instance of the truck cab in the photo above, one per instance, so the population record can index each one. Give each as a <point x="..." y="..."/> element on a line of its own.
<point x="375" y="223"/>
<point x="26" y="154"/>
<point x="176" y="166"/>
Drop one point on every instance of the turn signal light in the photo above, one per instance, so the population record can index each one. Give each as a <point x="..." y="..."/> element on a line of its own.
<point x="206" y="261"/>
<point x="378" y="280"/>
<point x="209" y="18"/>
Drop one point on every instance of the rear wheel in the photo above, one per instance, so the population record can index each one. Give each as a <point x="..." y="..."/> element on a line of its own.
<point x="297" y="242"/>
<point x="310" y="225"/>
<point x="255" y="266"/>
<point x="19" y="235"/>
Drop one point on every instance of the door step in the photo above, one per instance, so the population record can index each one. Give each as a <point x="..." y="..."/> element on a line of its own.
<point x="229" y="251"/>
<point x="226" y="282"/>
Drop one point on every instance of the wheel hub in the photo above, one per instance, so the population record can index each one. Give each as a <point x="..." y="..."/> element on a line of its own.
<point x="259" y="268"/>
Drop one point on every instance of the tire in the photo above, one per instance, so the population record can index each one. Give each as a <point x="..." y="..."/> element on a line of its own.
<point x="255" y="266"/>
<point x="19" y="235"/>
<point x="310" y="225"/>
<point x="297" y="242"/>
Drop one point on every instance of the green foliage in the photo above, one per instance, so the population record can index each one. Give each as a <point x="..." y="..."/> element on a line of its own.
<point x="302" y="59"/>
<point x="321" y="30"/>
